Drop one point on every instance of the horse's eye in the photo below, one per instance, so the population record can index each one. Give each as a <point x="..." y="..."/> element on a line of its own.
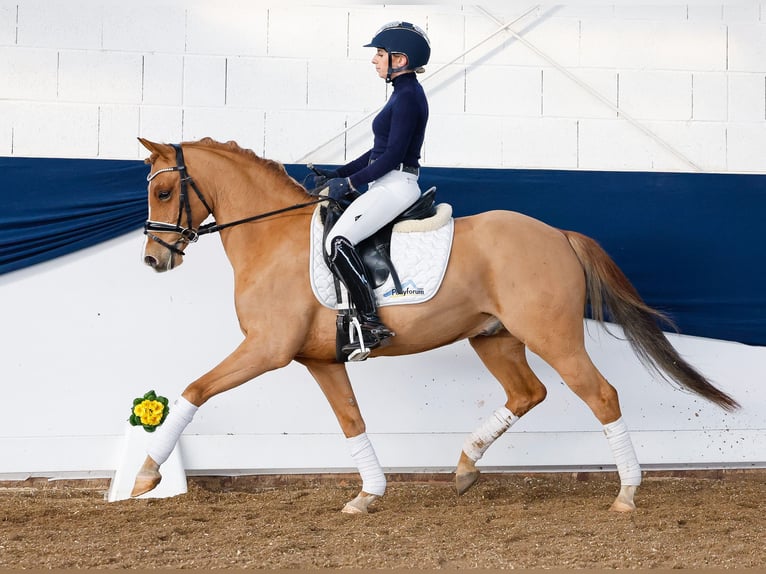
<point x="164" y="195"/>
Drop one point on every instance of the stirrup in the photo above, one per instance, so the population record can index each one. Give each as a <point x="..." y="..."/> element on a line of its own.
<point x="359" y="346"/>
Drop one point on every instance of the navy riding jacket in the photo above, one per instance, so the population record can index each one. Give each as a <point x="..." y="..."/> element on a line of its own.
<point x="399" y="130"/>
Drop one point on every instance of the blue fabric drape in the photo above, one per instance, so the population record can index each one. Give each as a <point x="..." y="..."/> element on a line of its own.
<point x="51" y="207"/>
<point x="690" y="243"/>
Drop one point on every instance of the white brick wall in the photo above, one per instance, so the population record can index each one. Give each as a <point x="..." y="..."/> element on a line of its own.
<point x="84" y="78"/>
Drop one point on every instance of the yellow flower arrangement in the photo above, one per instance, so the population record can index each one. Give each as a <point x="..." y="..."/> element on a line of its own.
<point x="149" y="411"/>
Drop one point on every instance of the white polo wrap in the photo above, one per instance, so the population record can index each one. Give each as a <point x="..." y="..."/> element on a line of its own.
<point x="373" y="479"/>
<point x="482" y="438"/>
<point x="166" y="436"/>
<point x="624" y="455"/>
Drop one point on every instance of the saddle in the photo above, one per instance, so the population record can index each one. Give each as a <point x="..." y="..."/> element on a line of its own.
<point x="375" y="252"/>
<point x="376" y="249"/>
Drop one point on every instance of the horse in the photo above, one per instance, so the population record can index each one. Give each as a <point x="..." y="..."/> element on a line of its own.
<point x="512" y="283"/>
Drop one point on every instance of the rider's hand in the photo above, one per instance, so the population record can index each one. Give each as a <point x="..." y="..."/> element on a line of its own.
<point x="322" y="176"/>
<point x="341" y="190"/>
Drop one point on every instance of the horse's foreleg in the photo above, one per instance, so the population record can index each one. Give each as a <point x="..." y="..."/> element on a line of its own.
<point x="334" y="382"/>
<point x="246" y="362"/>
<point x="162" y="444"/>
<point x="505" y="358"/>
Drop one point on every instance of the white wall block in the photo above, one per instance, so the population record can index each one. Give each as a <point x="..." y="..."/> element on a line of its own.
<point x="163" y="79"/>
<point x="308" y="32"/>
<point x="640" y="11"/>
<point x="204" y="81"/>
<point x="210" y="28"/>
<point x="564" y="97"/>
<point x="63" y="25"/>
<point x="503" y="91"/>
<point x="28" y="73"/>
<point x="618" y="145"/>
<point x="8" y="11"/>
<point x="445" y="89"/>
<point x="267" y="84"/>
<point x="703" y="143"/>
<point x="292" y="135"/>
<point x="747" y="97"/>
<point x="543" y="41"/>
<point x="539" y="143"/>
<point x="656" y="95"/>
<point x="447" y="35"/>
<point x="747" y="47"/>
<point x="746" y="142"/>
<point x="8" y="114"/>
<point x="242" y="125"/>
<point x="352" y="85"/>
<point x="741" y="11"/>
<point x="624" y="44"/>
<point x="161" y="123"/>
<point x="56" y="130"/>
<point x="132" y="27"/>
<point x="713" y="12"/>
<point x="98" y="77"/>
<point x="117" y="131"/>
<point x="487" y="44"/>
<point x="709" y="96"/>
<point x="458" y="141"/>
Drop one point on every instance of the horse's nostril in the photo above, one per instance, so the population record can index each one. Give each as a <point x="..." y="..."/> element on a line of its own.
<point x="151" y="261"/>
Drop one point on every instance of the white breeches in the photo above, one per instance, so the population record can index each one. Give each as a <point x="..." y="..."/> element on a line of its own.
<point x="385" y="198"/>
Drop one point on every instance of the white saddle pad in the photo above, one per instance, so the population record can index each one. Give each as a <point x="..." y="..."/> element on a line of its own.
<point x="419" y="250"/>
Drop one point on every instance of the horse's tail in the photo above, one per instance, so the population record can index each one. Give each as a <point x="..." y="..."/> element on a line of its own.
<point x="608" y="288"/>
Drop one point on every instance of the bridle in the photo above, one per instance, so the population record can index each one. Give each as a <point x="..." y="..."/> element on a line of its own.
<point x="189" y="234"/>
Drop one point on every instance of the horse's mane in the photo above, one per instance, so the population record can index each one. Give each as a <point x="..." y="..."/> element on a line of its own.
<point x="231" y="146"/>
<point x="273" y="167"/>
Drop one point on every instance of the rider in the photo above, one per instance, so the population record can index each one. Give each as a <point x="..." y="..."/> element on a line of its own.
<point x="390" y="168"/>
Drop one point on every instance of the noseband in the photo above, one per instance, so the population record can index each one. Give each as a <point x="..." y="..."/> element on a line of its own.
<point x="188" y="234"/>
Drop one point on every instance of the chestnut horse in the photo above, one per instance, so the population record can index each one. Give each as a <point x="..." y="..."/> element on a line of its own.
<point x="513" y="283"/>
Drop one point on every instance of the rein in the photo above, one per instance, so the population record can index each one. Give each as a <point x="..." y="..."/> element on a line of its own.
<point x="189" y="234"/>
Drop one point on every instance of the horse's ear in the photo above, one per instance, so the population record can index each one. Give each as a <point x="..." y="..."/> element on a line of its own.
<point x="156" y="148"/>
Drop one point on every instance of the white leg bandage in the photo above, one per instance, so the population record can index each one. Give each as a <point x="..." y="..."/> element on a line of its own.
<point x="166" y="436"/>
<point x="622" y="448"/>
<point x="373" y="479"/>
<point x="482" y="438"/>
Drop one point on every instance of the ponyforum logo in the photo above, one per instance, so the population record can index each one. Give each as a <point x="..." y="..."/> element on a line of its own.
<point x="409" y="289"/>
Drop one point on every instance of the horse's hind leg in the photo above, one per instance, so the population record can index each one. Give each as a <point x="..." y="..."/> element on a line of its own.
<point x="504" y="356"/>
<point x="589" y="384"/>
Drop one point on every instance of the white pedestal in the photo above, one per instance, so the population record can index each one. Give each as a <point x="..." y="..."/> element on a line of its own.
<point x="130" y="460"/>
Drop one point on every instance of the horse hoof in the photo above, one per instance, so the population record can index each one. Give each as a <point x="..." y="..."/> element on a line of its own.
<point x="620" y="506"/>
<point x="145" y="483"/>
<point x="465" y="481"/>
<point x="360" y="504"/>
<point x="624" y="501"/>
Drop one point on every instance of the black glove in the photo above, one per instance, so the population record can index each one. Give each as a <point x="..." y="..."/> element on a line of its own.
<point x="341" y="190"/>
<point x="322" y="176"/>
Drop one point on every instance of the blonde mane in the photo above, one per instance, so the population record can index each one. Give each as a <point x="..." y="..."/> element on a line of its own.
<point x="274" y="167"/>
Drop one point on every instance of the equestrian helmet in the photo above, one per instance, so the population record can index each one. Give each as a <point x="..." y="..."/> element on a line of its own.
<point x="404" y="38"/>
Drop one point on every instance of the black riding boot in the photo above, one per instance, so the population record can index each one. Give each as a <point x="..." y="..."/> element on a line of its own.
<point x="347" y="265"/>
